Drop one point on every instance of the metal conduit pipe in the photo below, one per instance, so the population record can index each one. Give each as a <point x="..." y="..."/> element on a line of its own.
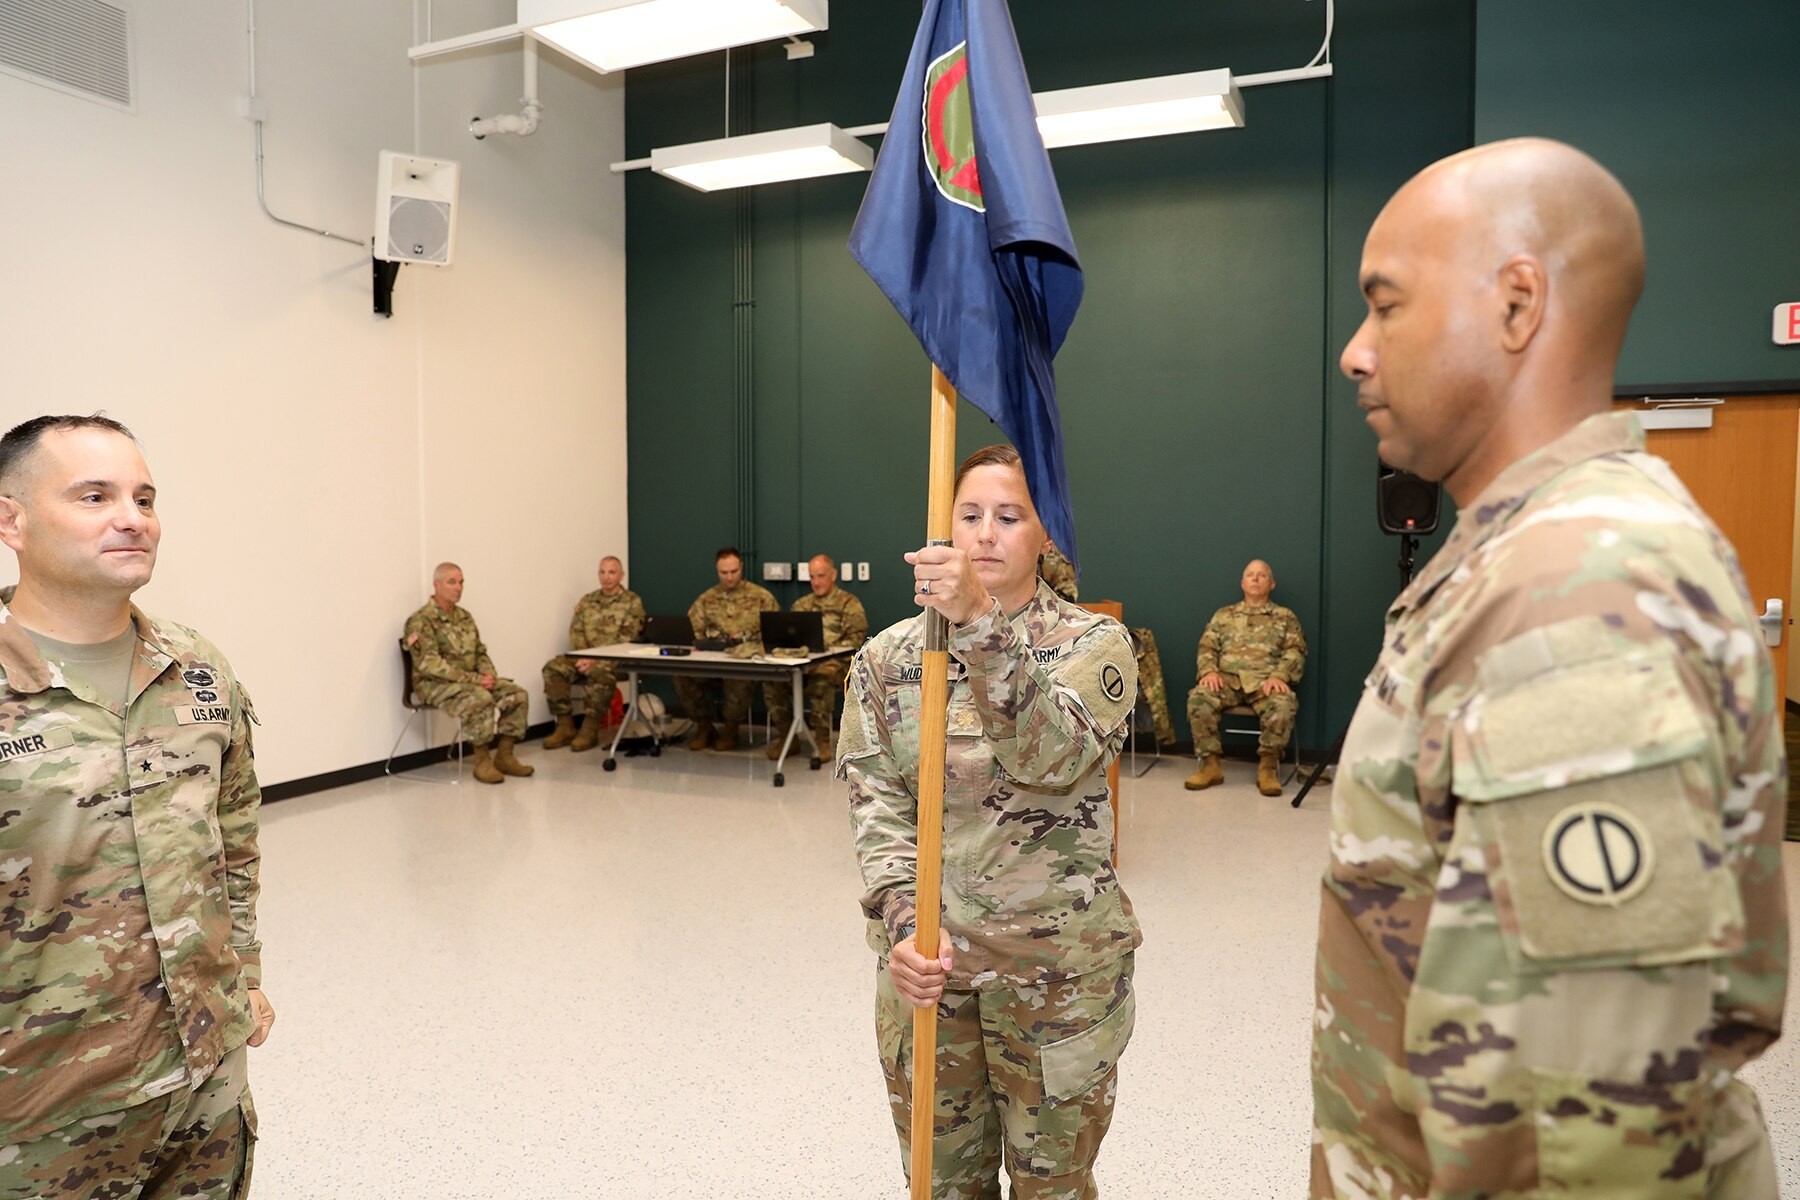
<point x="523" y="123"/>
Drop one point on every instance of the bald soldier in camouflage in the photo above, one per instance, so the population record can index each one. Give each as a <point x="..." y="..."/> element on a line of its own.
<point x="452" y="671"/>
<point x="604" y="617"/>
<point x="1252" y="653"/>
<point x="1552" y="928"/>
<point x="846" y="627"/>
<point x="1032" y="975"/>
<point x="130" y="967"/>
<point x="730" y="612"/>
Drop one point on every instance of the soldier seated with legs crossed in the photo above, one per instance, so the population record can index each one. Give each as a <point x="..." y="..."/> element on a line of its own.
<point x="452" y="671"/>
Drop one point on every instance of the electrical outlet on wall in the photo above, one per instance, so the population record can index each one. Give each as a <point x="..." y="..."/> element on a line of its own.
<point x="803" y="571"/>
<point x="777" y="572"/>
<point x="846" y="571"/>
<point x="862" y="572"/>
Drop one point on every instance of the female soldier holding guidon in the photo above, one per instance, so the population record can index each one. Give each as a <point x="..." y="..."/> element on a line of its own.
<point x="1032" y="973"/>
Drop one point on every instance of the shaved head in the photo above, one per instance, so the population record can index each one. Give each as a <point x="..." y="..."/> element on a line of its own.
<point x="1500" y="282"/>
<point x="442" y="571"/>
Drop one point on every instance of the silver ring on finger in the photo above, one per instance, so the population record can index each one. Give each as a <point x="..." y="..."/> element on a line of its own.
<point x="925" y="588"/>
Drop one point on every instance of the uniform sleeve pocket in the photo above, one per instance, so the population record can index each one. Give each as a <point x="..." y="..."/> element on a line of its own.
<point x="1585" y="765"/>
<point x="1075" y="1064"/>
<point x="1596" y="1138"/>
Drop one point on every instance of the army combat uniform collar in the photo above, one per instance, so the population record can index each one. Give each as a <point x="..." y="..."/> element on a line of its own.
<point x="27" y="672"/>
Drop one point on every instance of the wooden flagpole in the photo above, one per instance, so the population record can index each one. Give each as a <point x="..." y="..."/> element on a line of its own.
<point x="934" y="702"/>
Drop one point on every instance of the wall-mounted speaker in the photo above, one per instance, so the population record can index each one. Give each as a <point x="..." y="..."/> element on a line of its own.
<point x="1404" y="503"/>
<point x="415" y="209"/>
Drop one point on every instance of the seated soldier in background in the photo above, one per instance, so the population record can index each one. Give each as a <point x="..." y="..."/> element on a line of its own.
<point x="846" y="625"/>
<point x="1059" y="573"/>
<point x="729" y="612"/>
<point x="1251" y="653"/>
<point x="602" y="618"/>
<point x="452" y="671"/>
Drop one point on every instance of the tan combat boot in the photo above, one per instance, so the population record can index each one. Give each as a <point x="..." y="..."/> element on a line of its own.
<point x="562" y="735"/>
<point x="589" y="737"/>
<point x="727" y="739"/>
<point x="1210" y="774"/>
<point x="1268" y="774"/>
<point x="822" y="739"/>
<point x="773" y="749"/>
<point x="507" y="761"/>
<point x="703" y="732"/>
<point x="485" y="770"/>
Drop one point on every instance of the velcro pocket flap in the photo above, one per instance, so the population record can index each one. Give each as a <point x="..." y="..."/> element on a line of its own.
<point x="1569" y="703"/>
<point x="1075" y="1064"/>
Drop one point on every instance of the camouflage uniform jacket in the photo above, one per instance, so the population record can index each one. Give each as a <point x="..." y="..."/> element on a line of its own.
<point x="1248" y="645"/>
<point x="128" y="879"/>
<point x="603" y="620"/>
<point x="1038" y="706"/>
<point x="1553" y="924"/>
<point x="846" y="624"/>
<point x="446" y="648"/>
<point x="1057" y="571"/>
<point x="718" y="613"/>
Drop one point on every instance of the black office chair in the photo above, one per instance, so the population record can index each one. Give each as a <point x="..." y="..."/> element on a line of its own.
<point x="409" y="697"/>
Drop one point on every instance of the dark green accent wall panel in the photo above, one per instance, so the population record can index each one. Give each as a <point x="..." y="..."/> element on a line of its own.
<point x="1691" y="105"/>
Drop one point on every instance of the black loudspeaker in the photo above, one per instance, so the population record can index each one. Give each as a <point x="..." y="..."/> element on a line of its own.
<point x="1404" y="503"/>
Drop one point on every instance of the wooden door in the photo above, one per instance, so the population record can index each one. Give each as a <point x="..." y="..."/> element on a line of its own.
<point x="1742" y="471"/>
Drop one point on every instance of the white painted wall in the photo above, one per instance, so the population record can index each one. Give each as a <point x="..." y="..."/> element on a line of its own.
<point x="315" y="460"/>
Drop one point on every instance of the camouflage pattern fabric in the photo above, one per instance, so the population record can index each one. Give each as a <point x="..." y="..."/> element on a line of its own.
<point x="1553" y="924"/>
<point x="449" y="659"/>
<point x="736" y="615"/>
<point x="846" y="625"/>
<point x="195" y="1145"/>
<point x="1026" y="1080"/>
<point x="1247" y="645"/>
<point x="1059" y="573"/>
<point x="1150" y="684"/>
<point x="600" y="620"/>
<point x="1276" y="714"/>
<point x="1038" y="707"/>
<point x="129" y="862"/>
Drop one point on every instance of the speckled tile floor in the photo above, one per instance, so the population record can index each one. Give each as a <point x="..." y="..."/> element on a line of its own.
<point x="652" y="985"/>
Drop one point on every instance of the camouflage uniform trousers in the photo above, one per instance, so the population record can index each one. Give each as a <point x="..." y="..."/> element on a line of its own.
<point x="483" y="713"/>
<point x="696" y="698"/>
<point x="561" y="674"/>
<point x="823" y="683"/>
<point x="1276" y="713"/>
<point x="991" y="1109"/>
<point x="1150" y="682"/>
<point x="195" y="1145"/>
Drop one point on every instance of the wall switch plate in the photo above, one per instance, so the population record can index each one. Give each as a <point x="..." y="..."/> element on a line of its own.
<point x="803" y="571"/>
<point x="846" y="571"/>
<point x="862" y="572"/>
<point x="777" y="572"/>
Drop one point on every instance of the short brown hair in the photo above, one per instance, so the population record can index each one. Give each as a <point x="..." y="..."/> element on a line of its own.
<point x="1000" y="454"/>
<point x="21" y="441"/>
<point x="725" y="552"/>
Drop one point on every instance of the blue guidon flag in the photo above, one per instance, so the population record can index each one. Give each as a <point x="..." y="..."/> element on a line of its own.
<point x="963" y="229"/>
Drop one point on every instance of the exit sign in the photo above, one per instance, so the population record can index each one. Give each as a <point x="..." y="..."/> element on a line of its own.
<point x="1787" y="324"/>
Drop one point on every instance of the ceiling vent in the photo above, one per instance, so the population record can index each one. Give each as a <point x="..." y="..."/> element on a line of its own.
<point x="82" y="47"/>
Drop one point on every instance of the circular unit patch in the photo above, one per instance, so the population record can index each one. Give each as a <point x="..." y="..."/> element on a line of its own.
<point x="1113" y="681"/>
<point x="1599" y="853"/>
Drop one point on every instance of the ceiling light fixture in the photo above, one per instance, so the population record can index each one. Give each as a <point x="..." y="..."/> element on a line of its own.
<point x="1139" y="108"/>
<point x="774" y="157"/>
<point x="611" y="35"/>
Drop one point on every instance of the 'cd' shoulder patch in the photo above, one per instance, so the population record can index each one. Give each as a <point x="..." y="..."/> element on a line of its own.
<point x="1102" y="671"/>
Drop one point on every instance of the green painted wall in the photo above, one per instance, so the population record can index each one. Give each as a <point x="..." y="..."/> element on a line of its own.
<point x="1692" y="106"/>
<point x="1205" y="418"/>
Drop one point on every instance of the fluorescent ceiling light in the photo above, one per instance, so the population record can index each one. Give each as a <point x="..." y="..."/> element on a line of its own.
<point x="773" y="157"/>
<point x="1115" y="112"/>
<point x="610" y="35"/>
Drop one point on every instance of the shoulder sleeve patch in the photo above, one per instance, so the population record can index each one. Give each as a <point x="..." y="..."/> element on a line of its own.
<point x="1102" y="672"/>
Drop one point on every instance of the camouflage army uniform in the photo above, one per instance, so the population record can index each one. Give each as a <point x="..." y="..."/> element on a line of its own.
<point x="128" y="940"/>
<point x="600" y="620"/>
<point x="1151" y="686"/>
<point x="1553" y="924"/>
<point x="1247" y="645"/>
<point x="1039" y="1005"/>
<point x="1059" y="573"/>
<point x="846" y="625"/>
<point x="449" y="659"/>
<point x="735" y="615"/>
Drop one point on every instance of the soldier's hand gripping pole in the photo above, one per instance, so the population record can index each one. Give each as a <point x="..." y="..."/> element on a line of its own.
<point x="934" y="701"/>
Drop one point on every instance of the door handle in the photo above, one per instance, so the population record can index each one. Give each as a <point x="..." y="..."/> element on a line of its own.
<point x="1773" y="618"/>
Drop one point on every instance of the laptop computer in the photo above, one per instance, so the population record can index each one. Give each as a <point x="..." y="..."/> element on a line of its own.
<point x="667" y="631"/>
<point x="803" y="629"/>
